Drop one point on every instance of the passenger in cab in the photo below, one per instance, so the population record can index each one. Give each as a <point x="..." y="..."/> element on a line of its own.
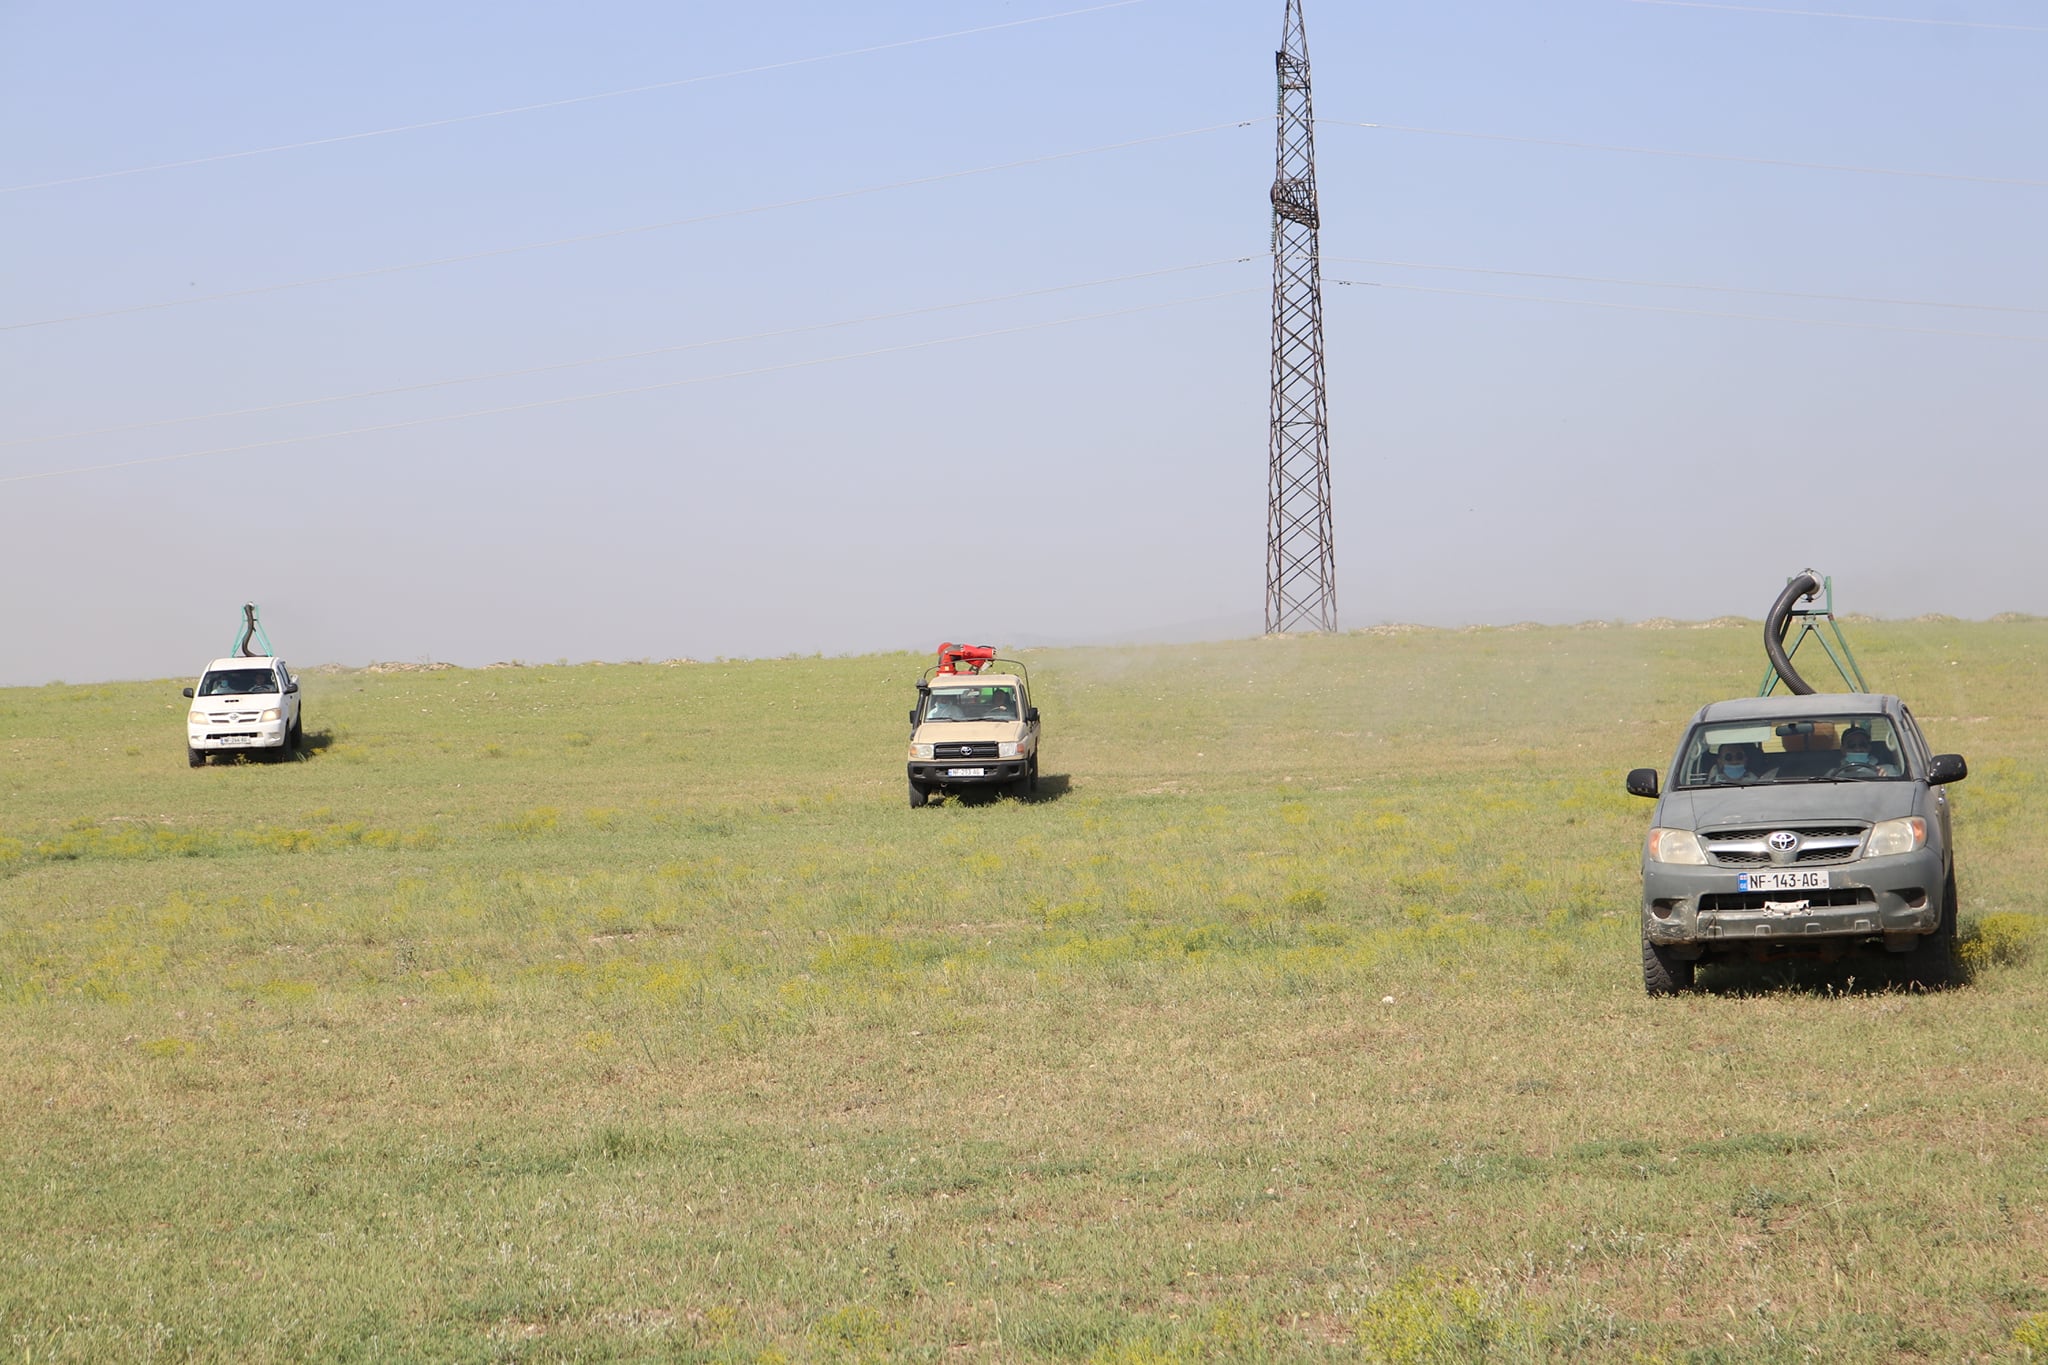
<point x="1734" y="763"/>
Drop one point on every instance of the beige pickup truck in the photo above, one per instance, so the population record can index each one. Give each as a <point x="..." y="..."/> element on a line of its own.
<point x="973" y="726"/>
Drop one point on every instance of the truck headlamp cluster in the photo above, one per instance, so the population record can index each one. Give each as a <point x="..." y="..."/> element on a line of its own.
<point x="1676" y="846"/>
<point x="1896" y="836"/>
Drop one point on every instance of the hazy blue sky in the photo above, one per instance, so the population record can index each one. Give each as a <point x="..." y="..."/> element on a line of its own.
<point x="827" y="489"/>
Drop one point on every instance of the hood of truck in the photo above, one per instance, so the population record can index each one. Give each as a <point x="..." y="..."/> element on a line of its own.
<point x="968" y="731"/>
<point x="1801" y="803"/>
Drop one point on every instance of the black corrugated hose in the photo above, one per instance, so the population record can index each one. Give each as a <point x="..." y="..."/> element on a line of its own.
<point x="1803" y="585"/>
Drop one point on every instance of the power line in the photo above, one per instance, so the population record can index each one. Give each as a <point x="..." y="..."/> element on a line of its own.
<point x="586" y="362"/>
<point x="1708" y="288"/>
<point x="561" y="103"/>
<point x="635" y="389"/>
<point x="898" y="315"/>
<point x="1697" y="312"/>
<point x="1833" y="14"/>
<point x="609" y="234"/>
<point x="1694" y="156"/>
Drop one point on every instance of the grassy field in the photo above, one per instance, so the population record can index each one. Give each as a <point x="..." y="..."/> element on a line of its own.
<point x="629" y="1012"/>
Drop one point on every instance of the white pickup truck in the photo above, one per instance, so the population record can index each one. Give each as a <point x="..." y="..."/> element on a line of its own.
<point x="248" y="702"/>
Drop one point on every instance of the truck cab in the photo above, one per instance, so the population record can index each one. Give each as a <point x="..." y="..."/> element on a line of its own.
<point x="973" y="726"/>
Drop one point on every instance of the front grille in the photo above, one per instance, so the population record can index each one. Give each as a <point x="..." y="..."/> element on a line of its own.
<point x="952" y="750"/>
<point x="1803" y="831"/>
<point x="1733" y="859"/>
<point x="1818" y="900"/>
<point x="1818" y="844"/>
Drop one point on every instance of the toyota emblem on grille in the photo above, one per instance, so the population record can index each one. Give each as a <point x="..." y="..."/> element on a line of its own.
<point x="1783" y="841"/>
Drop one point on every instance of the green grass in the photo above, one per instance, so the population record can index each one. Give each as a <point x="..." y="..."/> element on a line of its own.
<point x="629" y="1012"/>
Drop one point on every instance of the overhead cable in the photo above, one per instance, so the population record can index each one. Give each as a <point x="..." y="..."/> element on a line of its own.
<point x="1696" y="312"/>
<point x="563" y="103"/>
<point x="634" y="389"/>
<point x="1834" y="14"/>
<point x="1707" y="288"/>
<point x="1694" y="156"/>
<point x="588" y="361"/>
<point x="609" y="234"/>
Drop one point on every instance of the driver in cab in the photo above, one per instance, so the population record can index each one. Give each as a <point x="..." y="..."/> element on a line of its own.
<point x="1858" y="760"/>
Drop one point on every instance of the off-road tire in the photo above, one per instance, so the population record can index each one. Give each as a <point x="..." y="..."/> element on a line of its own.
<point x="919" y="794"/>
<point x="1031" y="775"/>
<point x="1664" y="972"/>
<point x="1934" y="960"/>
<point x="194" y="757"/>
<point x="295" y="738"/>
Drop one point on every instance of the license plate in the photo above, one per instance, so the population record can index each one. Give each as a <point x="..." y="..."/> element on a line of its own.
<point x="1783" y="881"/>
<point x="967" y="772"/>
<point x="236" y="741"/>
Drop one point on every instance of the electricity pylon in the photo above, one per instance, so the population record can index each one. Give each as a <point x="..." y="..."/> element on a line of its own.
<point x="1301" y="574"/>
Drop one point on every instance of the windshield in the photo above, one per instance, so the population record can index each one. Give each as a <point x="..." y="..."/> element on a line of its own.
<point x="972" y="703"/>
<point x="238" y="682"/>
<point x="1847" y="748"/>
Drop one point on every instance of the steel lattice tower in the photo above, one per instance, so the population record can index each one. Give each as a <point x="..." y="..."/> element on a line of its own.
<point x="1301" y="574"/>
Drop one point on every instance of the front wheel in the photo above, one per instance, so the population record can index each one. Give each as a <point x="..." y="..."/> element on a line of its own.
<point x="1664" y="971"/>
<point x="919" y="794"/>
<point x="194" y="757"/>
<point x="1031" y="775"/>
<point x="1934" y="961"/>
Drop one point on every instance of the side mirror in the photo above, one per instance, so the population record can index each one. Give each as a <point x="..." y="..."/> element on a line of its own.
<point x="188" y="691"/>
<point x="1031" y="715"/>
<point x="1642" y="782"/>
<point x="1947" y="768"/>
<point x="913" y="717"/>
<point x="291" y="687"/>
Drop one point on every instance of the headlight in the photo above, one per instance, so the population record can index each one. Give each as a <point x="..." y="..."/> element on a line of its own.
<point x="1010" y="748"/>
<point x="195" y="718"/>
<point x="274" y="713"/>
<point x="1676" y="846"/>
<point x="922" y="751"/>
<point x="1896" y="836"/>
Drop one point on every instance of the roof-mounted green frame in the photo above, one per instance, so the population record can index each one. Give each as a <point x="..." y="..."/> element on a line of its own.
<point x="251" y="632"/>
<point x="1810" y="616"/>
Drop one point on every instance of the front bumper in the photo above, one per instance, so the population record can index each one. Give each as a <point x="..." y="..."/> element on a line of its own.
<point x="270" y="734"/>
<point x="1702" y="910"/>
<point x="969" y="772"/>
